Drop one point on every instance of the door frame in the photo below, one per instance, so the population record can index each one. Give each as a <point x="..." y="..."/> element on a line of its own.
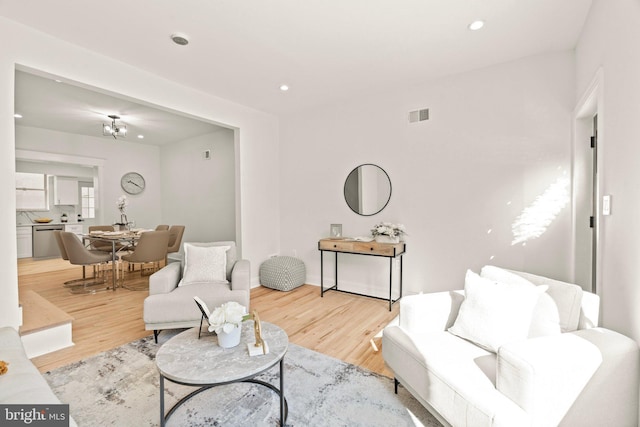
<point x="589" y="105"/>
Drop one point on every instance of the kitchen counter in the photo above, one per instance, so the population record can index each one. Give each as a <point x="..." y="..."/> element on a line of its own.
<point x="51" y="223"/>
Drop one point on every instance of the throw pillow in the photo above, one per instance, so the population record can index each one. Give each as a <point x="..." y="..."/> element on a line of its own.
<point x="545" y="319"/>
<point x="493" y="313"/>
<point x="204" y="264"/>
<point x="567" y="297"/>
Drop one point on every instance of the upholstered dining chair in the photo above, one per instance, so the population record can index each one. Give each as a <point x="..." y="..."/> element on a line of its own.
<point x="175" y="240"/>
<point x="77" y="254"/>
<point x="162" y="227"/>
<point x="151" y="248"/>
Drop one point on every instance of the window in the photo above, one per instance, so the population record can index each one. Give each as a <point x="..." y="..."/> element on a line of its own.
<point x="87" y="200"/>
<point x="31" y="192"/>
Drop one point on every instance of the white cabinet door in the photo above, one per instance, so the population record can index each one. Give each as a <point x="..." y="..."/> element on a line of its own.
<point x="75" y="229"/>
<point x="25" y="242"/>
<point x="65" y="191"/>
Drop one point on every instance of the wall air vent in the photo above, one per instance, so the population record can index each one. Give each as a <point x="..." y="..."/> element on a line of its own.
<point x="419" y="115"/>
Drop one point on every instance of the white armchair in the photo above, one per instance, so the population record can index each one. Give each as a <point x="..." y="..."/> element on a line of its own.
<point x="170" y="306"/>
<point x="587" y="376"/>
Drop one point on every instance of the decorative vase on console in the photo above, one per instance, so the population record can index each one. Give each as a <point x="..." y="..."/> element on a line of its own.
<point x="382" y="238"/>
<point x="386" y="232"/>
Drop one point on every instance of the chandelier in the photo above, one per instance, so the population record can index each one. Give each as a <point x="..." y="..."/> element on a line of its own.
<point x="113" y="129"/>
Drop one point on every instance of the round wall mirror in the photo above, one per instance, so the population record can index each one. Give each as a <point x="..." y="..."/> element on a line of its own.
<point x="367" y="189"/>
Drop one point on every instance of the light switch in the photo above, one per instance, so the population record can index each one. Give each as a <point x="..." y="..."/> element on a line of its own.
<point x="606" y="205"/>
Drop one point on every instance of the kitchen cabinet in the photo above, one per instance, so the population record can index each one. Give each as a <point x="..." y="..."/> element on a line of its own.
<point x="77" y="229"/>
<point x="25" y="243"/>
<point x="65" y="191"/>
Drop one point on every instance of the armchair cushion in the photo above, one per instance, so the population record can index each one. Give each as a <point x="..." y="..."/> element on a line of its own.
<point x="495" y="313"/>
<point x="232" y="255"/>
<point x="204" y="264"/>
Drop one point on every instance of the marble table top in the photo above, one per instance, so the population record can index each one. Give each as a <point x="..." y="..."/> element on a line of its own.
<point x="189" y="360"/>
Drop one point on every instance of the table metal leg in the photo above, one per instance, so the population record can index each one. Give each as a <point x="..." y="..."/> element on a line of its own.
<point x="283" y="418"/>
<point x="390" y="280"/>
<point x="162" y="419"/>
<point x="113" y="264"/>
<point x="400" y="296"/>
<point x="321" y="274"/>
<point x="336" y="271"/>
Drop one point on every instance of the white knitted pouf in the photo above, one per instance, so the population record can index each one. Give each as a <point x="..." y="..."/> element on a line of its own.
<point x="283" y="273"/>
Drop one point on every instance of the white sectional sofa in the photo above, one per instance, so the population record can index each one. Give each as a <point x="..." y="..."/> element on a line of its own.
<point x="23" y="383"/>
<point x="557" y="369"/>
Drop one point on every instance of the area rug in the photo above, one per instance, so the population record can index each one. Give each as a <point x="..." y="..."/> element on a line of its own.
<point x="120" y="387"/>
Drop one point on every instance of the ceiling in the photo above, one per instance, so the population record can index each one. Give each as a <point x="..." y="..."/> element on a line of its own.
<point x="46" y="103"/>
<point x="324" y="50"/>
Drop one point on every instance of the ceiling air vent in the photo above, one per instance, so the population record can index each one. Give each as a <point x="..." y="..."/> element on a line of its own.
<point x="419" y="115"/>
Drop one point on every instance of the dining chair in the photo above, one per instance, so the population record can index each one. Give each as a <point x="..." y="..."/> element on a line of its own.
<point x="175" y="240"/>
<point x="162" y="227"/>
<point x="150" y="249"/>
<point x="77" y="254"/>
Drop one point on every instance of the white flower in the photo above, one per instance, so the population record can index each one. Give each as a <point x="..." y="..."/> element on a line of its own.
<point x="122" y="203"/>
<point x="388" y="229"/>
<point x="226" y="317"/>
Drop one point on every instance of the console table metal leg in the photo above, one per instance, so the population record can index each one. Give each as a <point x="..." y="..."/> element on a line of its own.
<point x="336" y="271"/>
<point x="400" y="296"/>
<point x="390" y="281"/>
<point x="321" y="274"/>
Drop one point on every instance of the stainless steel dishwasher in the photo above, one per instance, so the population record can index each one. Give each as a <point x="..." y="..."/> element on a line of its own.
<point x="44" y="241"/>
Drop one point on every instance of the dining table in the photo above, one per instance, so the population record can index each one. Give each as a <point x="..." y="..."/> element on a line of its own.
<point x="120" y="241"/>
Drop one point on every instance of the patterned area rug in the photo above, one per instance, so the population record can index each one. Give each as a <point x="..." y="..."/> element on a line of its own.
<point x="120" y="387"/>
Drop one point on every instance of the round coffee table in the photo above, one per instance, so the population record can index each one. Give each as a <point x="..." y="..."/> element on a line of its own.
<point x="187" y="360"/>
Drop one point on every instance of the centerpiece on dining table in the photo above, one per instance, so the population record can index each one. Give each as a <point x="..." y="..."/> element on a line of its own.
<point x="122" y="204"/>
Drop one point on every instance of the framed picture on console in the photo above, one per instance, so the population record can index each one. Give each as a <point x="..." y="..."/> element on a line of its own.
<point x="336" y="230"/>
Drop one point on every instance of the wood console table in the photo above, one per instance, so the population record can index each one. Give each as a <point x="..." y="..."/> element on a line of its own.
<point x="349" y="246"/>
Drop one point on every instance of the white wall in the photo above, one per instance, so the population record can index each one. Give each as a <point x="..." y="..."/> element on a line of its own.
<point x="610" y="42"/>
<point x="199" y="193"/>
<point x="497" y="138"/>
<point x="119" y="158"/>
<point x="256" y="140"/>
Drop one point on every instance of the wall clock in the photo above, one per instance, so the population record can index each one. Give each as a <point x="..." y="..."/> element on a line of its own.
<point x="132" y="183"/>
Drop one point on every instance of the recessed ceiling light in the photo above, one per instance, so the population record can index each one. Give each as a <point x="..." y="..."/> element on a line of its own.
<point x="140" y="136"/>
<point x="180" y="39"/>
<point x="476" y="25"/>
<point x="17" y="116"/>
<point x="284" y="88"/>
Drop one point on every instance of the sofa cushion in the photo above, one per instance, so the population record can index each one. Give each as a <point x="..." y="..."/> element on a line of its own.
<point x="545" y="319"/>
<point x="451" y="375"/>
<point x="204" y="264"/>
<point x="494" y="313"/>
<point x="567" y="296"/>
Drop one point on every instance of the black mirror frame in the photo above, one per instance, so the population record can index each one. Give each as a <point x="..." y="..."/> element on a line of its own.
<point x="345" y="189"/>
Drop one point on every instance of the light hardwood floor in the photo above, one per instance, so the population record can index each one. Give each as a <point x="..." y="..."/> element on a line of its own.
<point x="339" y="325"/>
